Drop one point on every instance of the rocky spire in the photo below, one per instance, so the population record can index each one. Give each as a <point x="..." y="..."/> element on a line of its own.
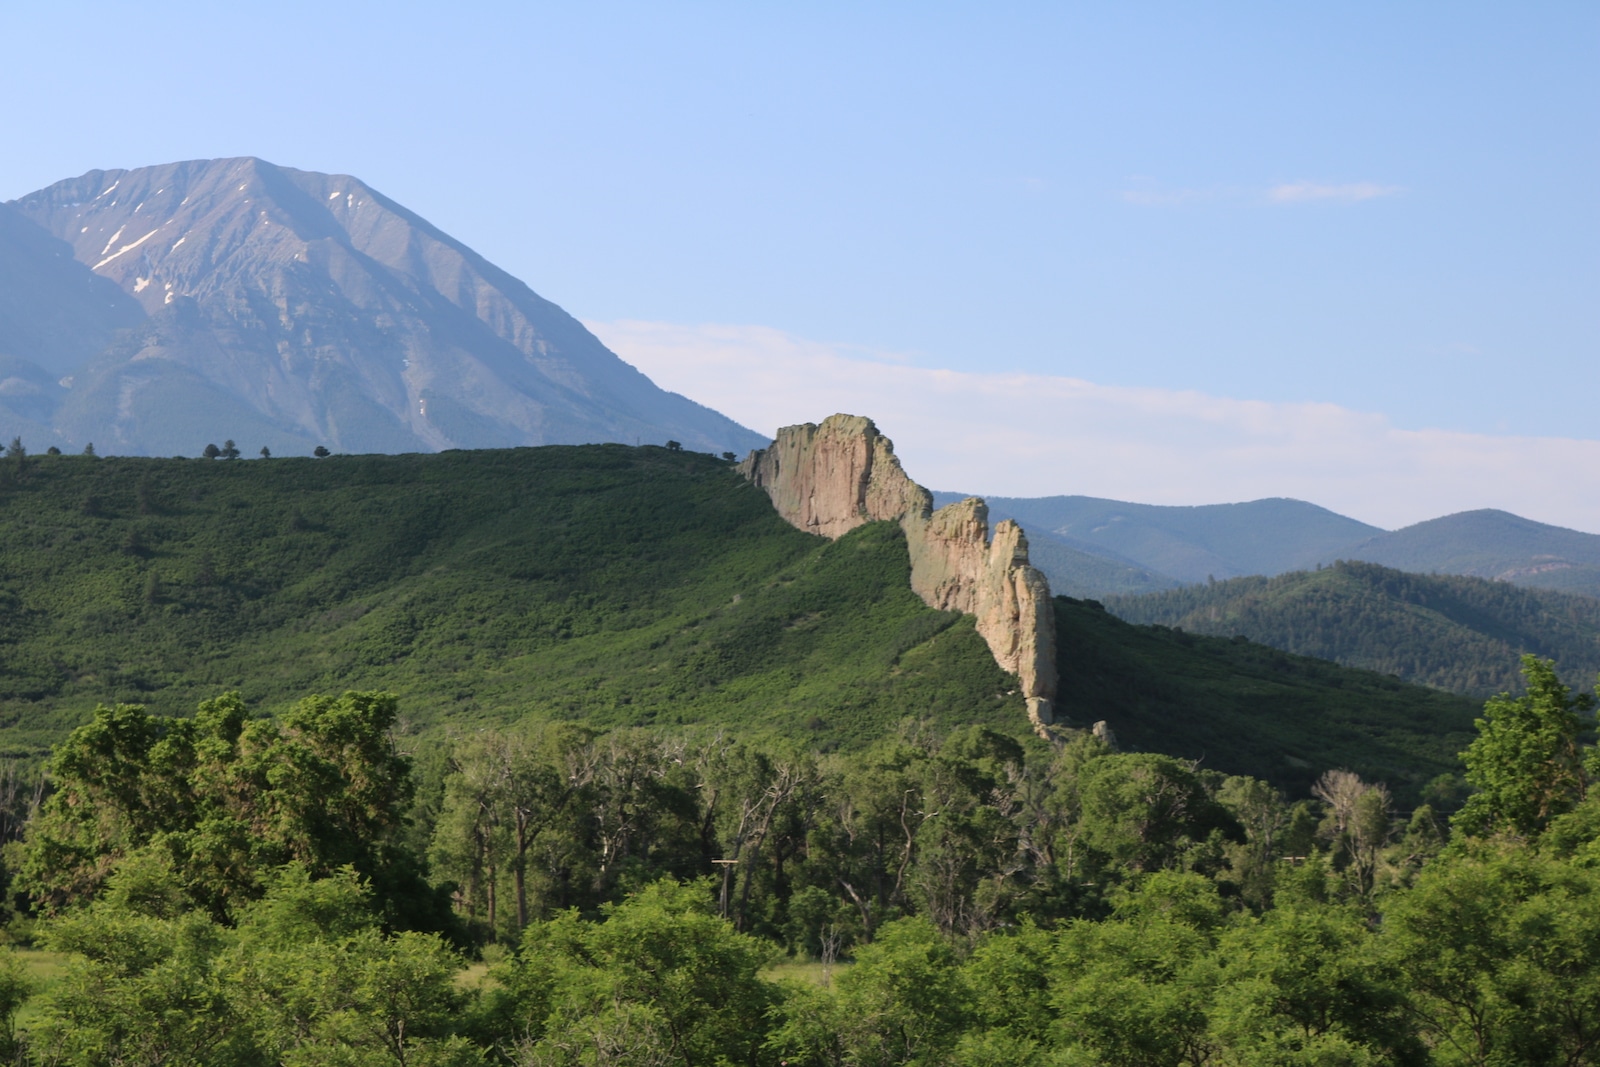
<point x="831" y="478"/>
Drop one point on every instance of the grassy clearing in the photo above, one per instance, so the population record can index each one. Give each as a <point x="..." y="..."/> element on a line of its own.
<point x="805" y="972"/>
<point x="46" y="969"/>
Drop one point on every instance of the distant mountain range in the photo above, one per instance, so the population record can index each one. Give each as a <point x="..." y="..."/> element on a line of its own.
<point x="1090" y="547"/>
<point x="1451" y="632"/>
<point x="156" y="310"/>
<point x="1490" y="544"/>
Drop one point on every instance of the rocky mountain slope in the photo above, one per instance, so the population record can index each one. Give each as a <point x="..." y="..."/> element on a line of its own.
<point x="287" y="308"/>
<point x="53" y="311"/>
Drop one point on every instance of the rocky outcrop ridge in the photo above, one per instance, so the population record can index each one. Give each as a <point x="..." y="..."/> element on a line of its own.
<point x="831" y="478"/>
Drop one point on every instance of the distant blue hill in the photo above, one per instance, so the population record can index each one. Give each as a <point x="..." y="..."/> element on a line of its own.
<point x="1487" y="544"/>
<point x="1092" y="547"/>
<point x="1156" y="547"/>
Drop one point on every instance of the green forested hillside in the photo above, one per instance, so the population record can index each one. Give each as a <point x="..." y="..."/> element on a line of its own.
<point x="620" y="585"/>
<point x="1456" y="633"/>
<point x="223" y="888"/>
<point x="1244" y="708"/>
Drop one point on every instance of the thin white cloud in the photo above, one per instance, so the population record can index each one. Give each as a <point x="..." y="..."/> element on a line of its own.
<point x="1310" y="192"/>
<point x="1012" y="434"/>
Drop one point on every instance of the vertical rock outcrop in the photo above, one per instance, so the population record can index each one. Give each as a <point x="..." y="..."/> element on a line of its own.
<point x="831" y="478"/>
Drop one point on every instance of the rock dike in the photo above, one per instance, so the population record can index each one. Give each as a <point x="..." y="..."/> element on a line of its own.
<point x="831" y="478"/>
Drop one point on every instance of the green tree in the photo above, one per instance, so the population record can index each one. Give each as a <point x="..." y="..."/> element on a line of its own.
<point x="314" y="981"/>
<point x="661" y="977"/>
<point x="1305" y="984"/>
<point x="18" y="455"/>
<point x="763" y="806"/>
<point x="1264" y="817"/>
<point x="140" y="985"/>
<point x="1526" y="763"/>
<point x="965" y="874"/>
<point x="305" y="978"/>
<point x="905" y="1002"/>
<point x="16" y="986"/>
<point x="1135" y="989"/>
<point x="1009" y="974"/>
<point x="1358" y="825"/>
<point x="866" y="841"/>
<point x="1500" y="950"/>
<point x="227" y="799"/>
<point x="1147" y="811"/>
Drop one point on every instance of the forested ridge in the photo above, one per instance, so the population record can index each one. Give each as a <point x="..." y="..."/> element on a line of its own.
<point x="1457" y="633"/>
<point x="612" y="584"/>
<point x="229" y="889"/>
<point x="615" y="767"/>
<point x="606" y="585"/>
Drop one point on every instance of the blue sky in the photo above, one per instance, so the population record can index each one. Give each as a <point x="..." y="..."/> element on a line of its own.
<point x="1387" y="208"/>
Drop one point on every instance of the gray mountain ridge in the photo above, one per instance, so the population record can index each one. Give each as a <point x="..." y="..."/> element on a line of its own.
<point x="1092" y="547"/>
<point x="154" y="310"/>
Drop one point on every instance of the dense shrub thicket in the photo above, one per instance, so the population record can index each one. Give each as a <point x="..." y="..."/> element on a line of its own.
<point x="623" y="897"/>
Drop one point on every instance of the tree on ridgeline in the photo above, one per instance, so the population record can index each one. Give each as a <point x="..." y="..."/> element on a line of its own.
<point x="1526" y="764"/>
<point x="18" y="455"/>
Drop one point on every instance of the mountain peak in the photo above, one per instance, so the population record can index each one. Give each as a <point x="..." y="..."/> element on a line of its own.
<point x="306" y="308"/>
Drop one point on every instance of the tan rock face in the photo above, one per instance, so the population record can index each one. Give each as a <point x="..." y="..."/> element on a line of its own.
<point x="831" y="478"/>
